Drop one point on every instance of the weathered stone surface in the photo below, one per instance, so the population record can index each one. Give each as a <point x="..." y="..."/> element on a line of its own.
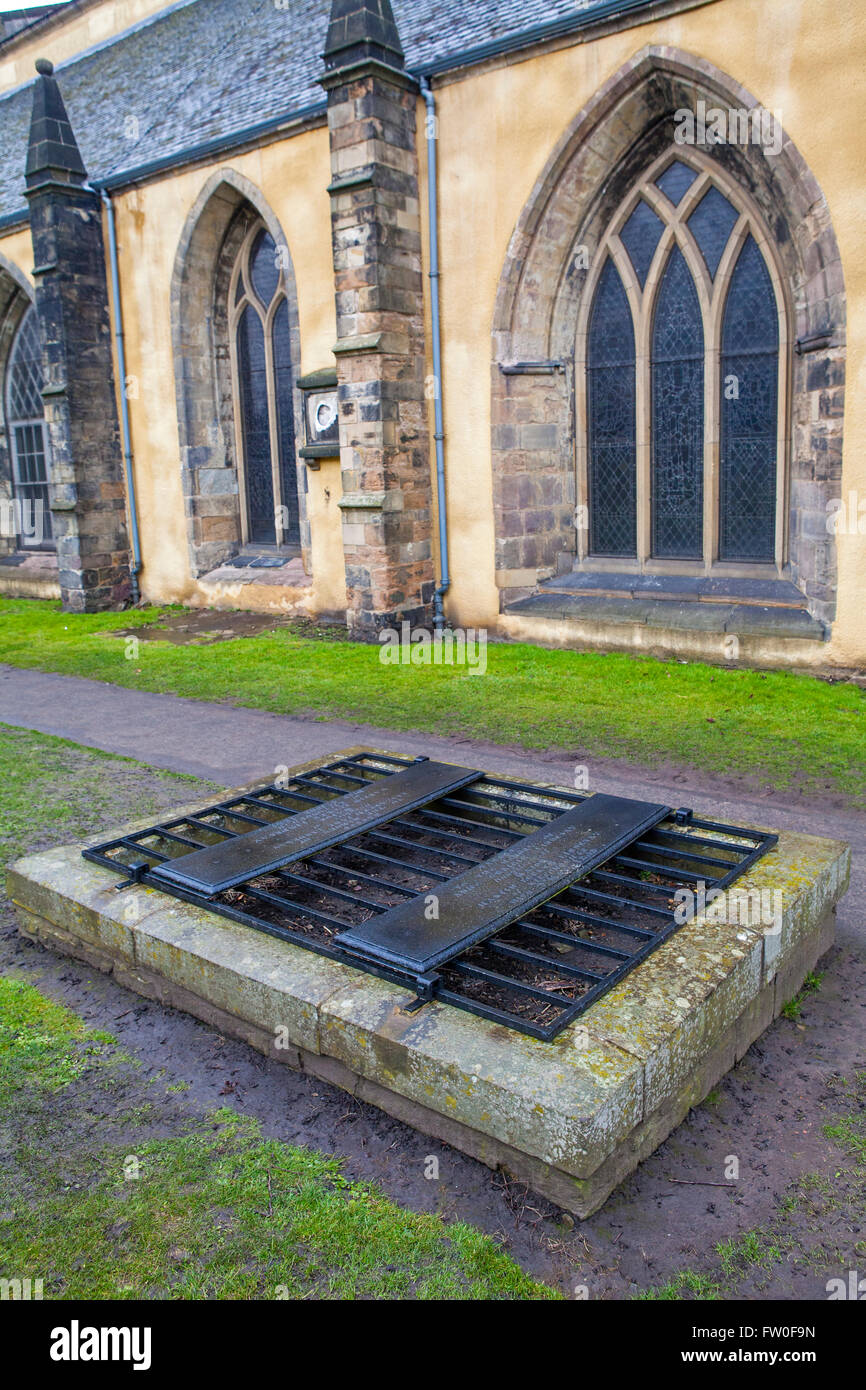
<point x="86" y="493"/>
<point x="380" y="352"/>
<point x="571" y="1117"/>
<point x="537" y="421"/>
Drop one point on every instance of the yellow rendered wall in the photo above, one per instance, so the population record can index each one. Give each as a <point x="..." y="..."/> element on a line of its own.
<point x="150" y="220"/>
<point x="293" y="175"/>
<point x="324" y="490"/>
<point x="17" y="248"/>
<point x="84" y="26"/>
<point x="804" y="59"/>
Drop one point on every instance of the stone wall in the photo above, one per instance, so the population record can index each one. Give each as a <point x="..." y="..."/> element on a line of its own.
<point x="380" y="349"/>
<point x="87" y="493"/>
<point x="210" y="242"/>
<point x="14" y="301"/>
<point x="600" y="156"/>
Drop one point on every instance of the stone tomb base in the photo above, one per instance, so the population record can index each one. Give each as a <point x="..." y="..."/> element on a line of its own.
<point x="571" y="1117"/>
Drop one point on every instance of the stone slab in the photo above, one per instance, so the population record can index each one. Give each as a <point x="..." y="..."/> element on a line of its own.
<point x="571" y="1117"/>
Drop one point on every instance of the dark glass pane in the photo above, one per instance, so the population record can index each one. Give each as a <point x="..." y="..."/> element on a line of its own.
<point x="284" y="383"/>
<point x="252" y="381"/>
<point x="677" y="416"/>
<point x="676" y="180"/>
<point x="264" y="271"/>
<point x="640" y="237"/>
<point x="749" y="412"/>
<point x="711" y="224"/>
<point x="29" y="449"/>
<point x="25" y="371"/>
<point x="611" y="419"/>
<point x="30" y="484"/>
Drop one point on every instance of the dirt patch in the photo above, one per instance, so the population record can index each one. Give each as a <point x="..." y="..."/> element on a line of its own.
<point x="202" y="627"/>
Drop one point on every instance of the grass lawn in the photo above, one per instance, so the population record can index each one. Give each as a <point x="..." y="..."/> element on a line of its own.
<point x="782" y="729"/>
<point x="210" y="1207"/>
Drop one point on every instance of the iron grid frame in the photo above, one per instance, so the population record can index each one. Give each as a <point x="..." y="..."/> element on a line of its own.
<point x="628" y="898"/>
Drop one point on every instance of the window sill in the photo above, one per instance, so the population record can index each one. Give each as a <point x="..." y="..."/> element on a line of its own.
<point x="758" y="608"/>
<point x="699" y="587"/>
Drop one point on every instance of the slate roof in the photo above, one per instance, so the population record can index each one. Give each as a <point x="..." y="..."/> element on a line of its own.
<point x="12" y="19"/>
<point x="204" y="69"/>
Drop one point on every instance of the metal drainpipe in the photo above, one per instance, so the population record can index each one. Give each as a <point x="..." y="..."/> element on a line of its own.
<point x="135" y="567"/>
<point x="439" y="432"/>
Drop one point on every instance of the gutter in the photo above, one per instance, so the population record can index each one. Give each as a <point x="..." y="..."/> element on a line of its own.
<point x="219" y="144"/>
<point x="135" y="567"/>
<point x="274" y="128"/>
<point x="439" y="431"/>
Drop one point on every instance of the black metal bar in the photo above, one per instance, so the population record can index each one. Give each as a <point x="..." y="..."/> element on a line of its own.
<point x="358" y="873"/>
<point x="645" y="866"/>
<point x="283" y="810"/>
<point x="554" y="793"/>
<point x="228" y="808"/>
<point x="540" y="961"/>
<point x="592" y="920"/>
<point x="181" y="839"/>
<point x="598" y="896"/>
<point x="629" y="881"/>
<point x="289" y="905"/>
<point x="327" y="891"/>
<point x="467" y="819"/>
<point x="679" y="853"/>
<point x="568" y="938"/>
<point x="465" y="967"/>
<point x="423" y="849"/>
<point x="717" y="844"/>
<point x="405" y="864"/>
<point x="463" y="820"/>
<point x="508" y="1020"/>
<point x="214" y="829"/>
<point x="495" y="810"/>
<point x="129" y="843"/>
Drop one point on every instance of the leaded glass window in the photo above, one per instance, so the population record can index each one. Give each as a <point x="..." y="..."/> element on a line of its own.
<point x="640" y="236"/>
<point x="749" y="415"/>
<point x="711" y="225"/>
<point x="676" y="181"/>
<point x="677" y="416"/>
<point x="611" y="398"/>
<point x="264" y="380"/>
<point x="28" y="438"/>
<point x="683" y="393"/>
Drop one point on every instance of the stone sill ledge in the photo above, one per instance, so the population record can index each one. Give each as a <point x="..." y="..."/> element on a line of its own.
<point x="781" y="593"/>
<point x="697" y="614"/>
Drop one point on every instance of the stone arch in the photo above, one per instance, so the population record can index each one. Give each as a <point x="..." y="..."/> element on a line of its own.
<point x="16" y="296"/>
<point x="607" y="146"/>
<point x="212" y="233"/>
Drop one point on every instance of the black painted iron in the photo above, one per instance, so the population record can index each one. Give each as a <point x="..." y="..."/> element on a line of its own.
<point x="419" y="935"/>
<point x="217" y="867"/>
<point x="537" y="972"/>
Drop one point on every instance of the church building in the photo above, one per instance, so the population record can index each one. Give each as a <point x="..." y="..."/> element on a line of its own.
<point x="532" y="316"/>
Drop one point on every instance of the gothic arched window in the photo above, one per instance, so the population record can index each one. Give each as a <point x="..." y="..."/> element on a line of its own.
<point x="264" y="380"/>
<point x="28" y="437"/>
<point x="610" y="406"/>
<point x="683" y="391"/>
